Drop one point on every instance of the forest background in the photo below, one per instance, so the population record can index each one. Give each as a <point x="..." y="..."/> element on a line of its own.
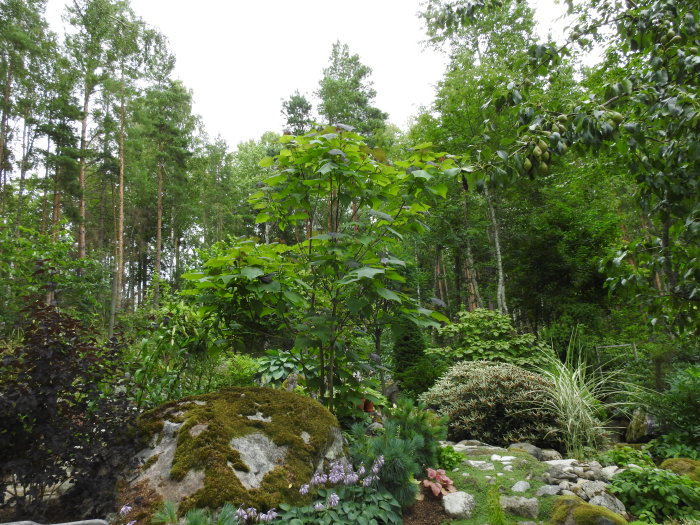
<point x="535" y="203"/>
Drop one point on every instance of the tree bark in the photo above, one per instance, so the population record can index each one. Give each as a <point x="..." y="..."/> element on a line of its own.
<point x="81" y="173"/>
<point x="501" y="289"/>
<point x="159" y="235"/>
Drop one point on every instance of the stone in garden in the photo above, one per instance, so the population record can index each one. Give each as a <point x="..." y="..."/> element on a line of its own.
<point x="548" y="490"/>
<point x="593" y="488"/>
<point x="571" y="510"/>
<point x="608" y="473"/>
<point x="642" y="427"/>
<point x="521" y="486"/>
<point x="685" y="466"/>
<point x="505" y="459"/>
<point x="481" y="465"/>
<point x="558" y="473"/>
<point x="549" y="454"/>
<point x="562" y="462"/>
<point x="525" y="507"/>
<point x="459" y="505"/>
<point x="529" y="448"/>
<point x="508" y="468"/>
<point x="248" y="446"/>
<point x="609" y="502"/>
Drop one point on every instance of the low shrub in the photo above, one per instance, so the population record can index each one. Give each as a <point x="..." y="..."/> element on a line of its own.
<point x="65" y="416"/>
<point x="449" y="458"/>
<point x="678" y="407"/>
<point x="654" y="494"/>
<point x="497" y="403"/>
<point x="624" y="456"/>
<point x="487" y="335"/>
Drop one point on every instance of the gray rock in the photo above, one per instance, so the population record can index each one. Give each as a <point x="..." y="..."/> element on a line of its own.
<point x="549" y="454"/>
<point x="508" y="468"/>
<point x="563" y="485"/>
<point x="578" y="471"/>
<point x="481" y="465"/>
<point x="562" y="462"/>
<point x="459" y="504"/>
<point x="567" y="493"/>
<point x="504" y="459"/>
<point x="521" y="486"/>
<point x="375" y="427"/>
<point x="525" y="507"/>
<point x="642" y="427"/>
<point x="608" y="473"/>
<point x="260" y="455"/>
<point x="593" y="488"/>
<point x="529" y="448"/>
<point x="548" y="490"/>
<point x="609" y="502"/>
<point x="558" y="473"/>
<point x="472" y="443"/>
<point x="594" y="465"/>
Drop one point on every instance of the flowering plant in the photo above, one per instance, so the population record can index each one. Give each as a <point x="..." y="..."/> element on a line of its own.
<point x="438" y="482"/>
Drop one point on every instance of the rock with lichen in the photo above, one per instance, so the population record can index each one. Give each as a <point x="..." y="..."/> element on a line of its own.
<point x="684" y="466"/>
<point x="246" y="446"/>
<point x="572" y="510"/>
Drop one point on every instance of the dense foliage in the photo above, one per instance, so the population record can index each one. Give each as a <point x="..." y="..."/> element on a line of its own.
<point x="492" y="402"/>
<point x="65" y="415"/>
<point x="536" y="203"/>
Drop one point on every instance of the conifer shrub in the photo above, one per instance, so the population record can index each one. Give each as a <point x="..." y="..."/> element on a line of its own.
<point x="409" y="343"/>
<point x="497" y="403"/>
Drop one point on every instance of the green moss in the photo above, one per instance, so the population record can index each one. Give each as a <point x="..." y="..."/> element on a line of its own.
<point x="583" y="513"/>
<point x="226" y="413"/>
<point x="684" y="466"/>
<point x="150" y="461"/>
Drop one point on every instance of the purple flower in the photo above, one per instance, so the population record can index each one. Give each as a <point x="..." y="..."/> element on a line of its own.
<point x="333" y="500"/>
<point x="368" y="481"/>
<point x="252" y="512"/>
<point x="125" y="510"/>
<point x="304" y="489"/>
<point x="241" y="515"/>
<point x="319" y="506"/>
<point x="361" y="470"/>
<point x="350" y="479"/>
<point x="132" y="522"/>
<point x="268" y="516"/>
<point x="377" y="465"/>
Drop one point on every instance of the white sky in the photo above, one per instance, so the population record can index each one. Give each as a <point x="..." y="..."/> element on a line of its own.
<point x="242" y="58"/>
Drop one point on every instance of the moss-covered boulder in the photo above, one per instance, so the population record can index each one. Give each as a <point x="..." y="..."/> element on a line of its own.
<point x="685" y="466"/>
<point x="247" y="446"/>
<point x="572" y="510"/>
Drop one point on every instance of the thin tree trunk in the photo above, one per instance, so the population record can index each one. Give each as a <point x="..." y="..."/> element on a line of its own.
<point x="81" y="174"/>
<point x="27" y="148"/>
<point x="4" y="131"/>
<point x="501" y="290"/>
<point x="115" y="305"/>
<point x="159" y="235"/>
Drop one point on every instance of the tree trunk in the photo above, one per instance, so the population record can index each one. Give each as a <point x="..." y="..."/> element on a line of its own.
<point x="501" y="290"/>
<point x="4" y="132"/>
<point x="81" y="174"/>
<point x="159" y="235"/>
<point x="115" y="305"/>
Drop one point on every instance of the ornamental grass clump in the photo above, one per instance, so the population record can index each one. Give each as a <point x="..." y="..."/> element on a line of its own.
<point x="497" y="403"/>
<point x="581" y="397"/>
